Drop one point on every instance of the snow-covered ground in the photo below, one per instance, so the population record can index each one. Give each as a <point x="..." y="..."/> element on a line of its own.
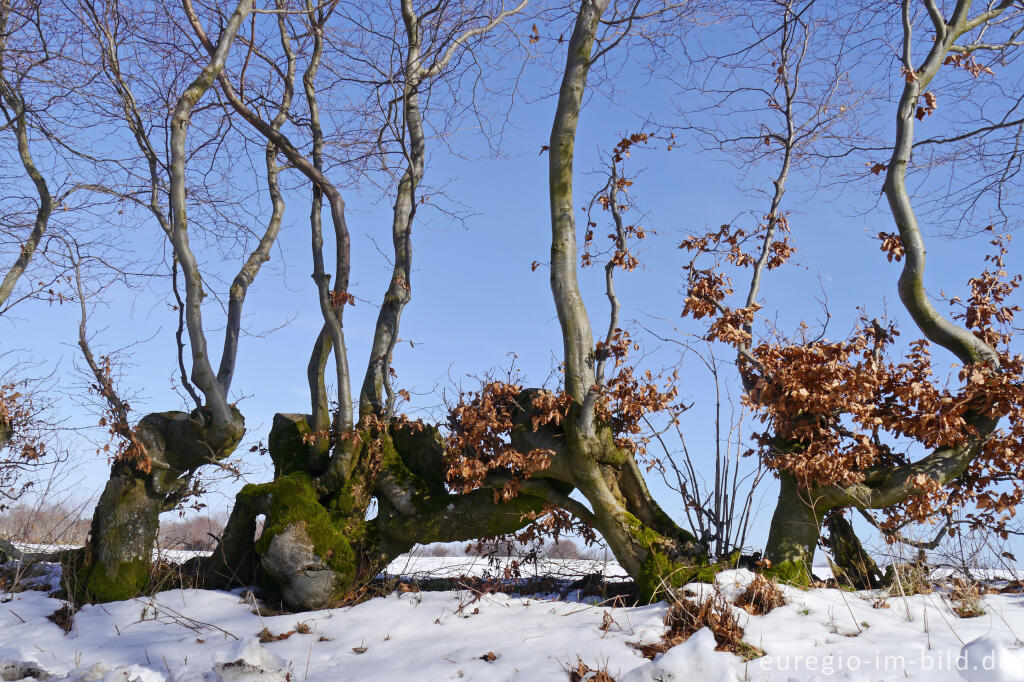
<point x="193" y="636"/>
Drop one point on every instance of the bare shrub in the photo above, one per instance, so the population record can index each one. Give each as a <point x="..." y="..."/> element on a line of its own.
<point x="911" y="577"/>
<point x="562" y="549"/>
<point x="51" y="524"/>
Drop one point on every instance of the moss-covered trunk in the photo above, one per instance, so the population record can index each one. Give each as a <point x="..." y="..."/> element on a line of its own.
<point x="316" y="542"/>
<point x="853" y="565"/>
<point x="115" y="562"/>
<point x="645" y="541"/>
<point x="794" y="533"/>
<point x="317" y="545"/>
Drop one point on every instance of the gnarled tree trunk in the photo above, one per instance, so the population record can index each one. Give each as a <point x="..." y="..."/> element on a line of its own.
<point x="115" y="563"/>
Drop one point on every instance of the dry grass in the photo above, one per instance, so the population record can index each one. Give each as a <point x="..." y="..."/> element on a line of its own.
<point x="965" y="598"/>
<point x="686" y="616"/>
<point x="265" y="636"/>
<point x="761" y="596"/>
<point x="581" y="672"/>
<point x="907" y="578"/>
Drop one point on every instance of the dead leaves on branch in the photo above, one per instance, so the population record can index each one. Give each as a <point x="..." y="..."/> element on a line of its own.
<point x="481" y="424"/>
<point x="929" y="107"/>
<point x="833" y="411"/>
<point x="968" y="63"/>
<point x="707" y="288"/>
<point x="17" y="424"/>
<point x="123" y="445"/>
<point x="22" y="437"/>
<point x="892" y="246"/>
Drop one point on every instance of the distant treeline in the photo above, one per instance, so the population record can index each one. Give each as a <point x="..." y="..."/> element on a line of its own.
<point x="64" y="525"/>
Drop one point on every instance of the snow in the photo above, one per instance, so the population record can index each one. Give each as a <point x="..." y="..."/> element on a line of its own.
<point x="214" y="636"/>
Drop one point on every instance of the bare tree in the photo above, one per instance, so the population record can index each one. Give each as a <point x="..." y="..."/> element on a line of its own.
<point x="157" y="457"/>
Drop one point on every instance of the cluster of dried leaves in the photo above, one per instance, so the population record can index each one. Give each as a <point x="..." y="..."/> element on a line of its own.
<point x="707" y="288"/>
<point x="123" y="444"/>
<point x="833" y="411"/>
<point x="480" y="425"/>
<point x="626" y="398"/>
<point x="609" y="198"/>
<point x="21" y="441"/>
<point x="760" y="596"/>
<point x="685" y="616"/>
<point x="581" y="672"/>
<point x="17" y="421"/>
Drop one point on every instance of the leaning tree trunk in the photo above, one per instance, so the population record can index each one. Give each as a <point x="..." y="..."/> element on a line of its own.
<point x="115" y="563"/>
<point x="852" y="563"/>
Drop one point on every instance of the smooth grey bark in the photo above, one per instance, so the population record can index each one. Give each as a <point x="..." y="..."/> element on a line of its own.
<point x="261" y="254"/>
<point x="115" y="562"/>
<point x="376" y="396"/>
<point x="577" y="337"/>
<point x="331" y="304"/>
<point x="166" y="448"/>
<point x="645" y="541"/>
<point x="794" y="531"/>
<point x="936" y="327"/>
<point x="17" y="117"/>
<point x="332" y="309"/>
<point x="202" y="371"/>
<point x="377" y="382"/>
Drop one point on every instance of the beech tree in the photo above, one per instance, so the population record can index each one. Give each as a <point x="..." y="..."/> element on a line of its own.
<point x="317" y="542"/>
<point x="838" y="414"/>
<point x="154" y="459"/>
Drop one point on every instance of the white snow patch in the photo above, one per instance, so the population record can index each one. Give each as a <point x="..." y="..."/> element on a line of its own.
<point x="821" y="635"/>
<point x="694" y="659"/>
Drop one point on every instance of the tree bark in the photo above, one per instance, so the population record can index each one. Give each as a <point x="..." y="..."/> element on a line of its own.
<point x="115" y="562"/>
<point x="794" y="532"/>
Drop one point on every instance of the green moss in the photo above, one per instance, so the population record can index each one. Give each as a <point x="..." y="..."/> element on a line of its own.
<point x="641" y="533"/>
<point x="292" y="499"/>
<point x="790" y="573"/>
<point x="91" y="582"/>
<point x="128" y="580"/>
<point x="659" y="571"/>
<point x="115" y="564"/>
